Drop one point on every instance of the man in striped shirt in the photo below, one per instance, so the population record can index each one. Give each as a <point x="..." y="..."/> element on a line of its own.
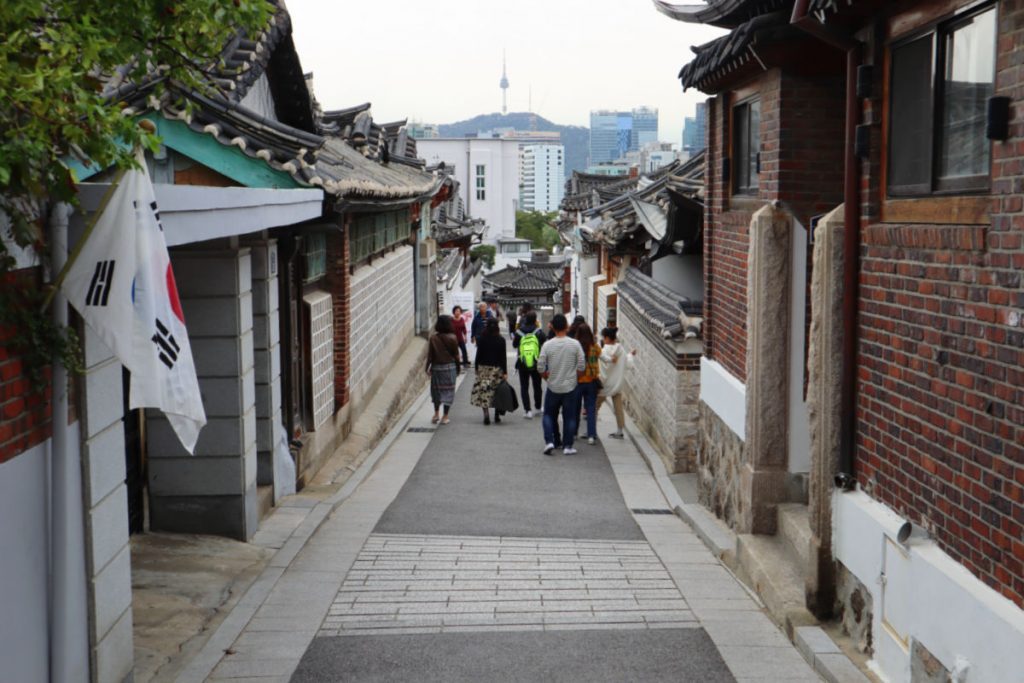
<point x="560" y="362"/>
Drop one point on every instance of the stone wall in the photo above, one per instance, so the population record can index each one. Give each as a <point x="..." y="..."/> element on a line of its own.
<point x="382" y="318"/>
<point x="659" y="397"/>
<point x="720" y="459"/>
<point x="853" y="607"/>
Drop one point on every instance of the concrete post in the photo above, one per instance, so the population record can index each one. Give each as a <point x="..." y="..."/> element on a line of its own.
<point x="825" y="361"/>
<point x="764" y="474"/>
<point x="266" y="325"/>
<point x="213" y="491"/>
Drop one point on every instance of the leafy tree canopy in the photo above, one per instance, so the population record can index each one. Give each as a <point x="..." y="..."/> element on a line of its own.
<point x="536" y="227"/>
<point x="56" y="57"/>
<point x="487" y="252"/>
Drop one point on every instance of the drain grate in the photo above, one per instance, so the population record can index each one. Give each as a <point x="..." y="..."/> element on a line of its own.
<point x="421" y="429"/>
<point x="651" y="511"/>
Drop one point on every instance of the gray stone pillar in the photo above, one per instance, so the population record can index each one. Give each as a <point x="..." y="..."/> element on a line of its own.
<point x="266" y="327"/>
<point x="213" y="491"/>
<point x="108" y="553"/>
<point x="825" y="362"/>
<point x="764" y="473"/>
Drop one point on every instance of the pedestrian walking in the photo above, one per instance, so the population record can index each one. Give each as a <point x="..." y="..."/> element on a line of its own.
<point x="476" y="328"/>
<point x="528" y="340"/>
<point x="575" y="325"/>
<point x="491" y="369"/>
<point x="589" y="381"/>
<point x="560" y="362"/>
<point x="442" y="366"/>
<point x="614" y="363"/>
<point x="459" y="323"/>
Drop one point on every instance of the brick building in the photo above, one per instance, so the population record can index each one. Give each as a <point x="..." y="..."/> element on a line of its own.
<point x="905" y="378"/>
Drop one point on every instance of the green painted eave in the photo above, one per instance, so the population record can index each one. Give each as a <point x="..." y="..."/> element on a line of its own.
<point x="227" y="160"/>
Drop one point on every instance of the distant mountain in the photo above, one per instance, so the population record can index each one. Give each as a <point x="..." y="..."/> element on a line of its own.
<point x="575" y="138"/>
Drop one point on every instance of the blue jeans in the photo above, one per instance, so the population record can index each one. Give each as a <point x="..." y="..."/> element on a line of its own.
<point x="587" y="393"/>
<point x="554" y="402"/>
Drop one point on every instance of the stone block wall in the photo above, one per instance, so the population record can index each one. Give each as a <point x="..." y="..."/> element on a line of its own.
<point x="213" y="491"/>
<point x="382" y="318"/>
<point x="720" y="458"/>
<point x="661" y="397"/>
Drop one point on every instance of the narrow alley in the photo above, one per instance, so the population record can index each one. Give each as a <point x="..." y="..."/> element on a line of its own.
<point x="467" y="555"/>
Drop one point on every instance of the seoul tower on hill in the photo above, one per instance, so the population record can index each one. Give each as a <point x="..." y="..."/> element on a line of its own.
<point x="504" y="86"/>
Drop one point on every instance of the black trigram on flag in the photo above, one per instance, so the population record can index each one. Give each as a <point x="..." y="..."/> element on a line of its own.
<point x="167" y="349"/>
<point x="99" y="287"/>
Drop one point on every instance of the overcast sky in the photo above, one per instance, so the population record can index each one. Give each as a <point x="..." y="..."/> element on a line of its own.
<point x="440" y="61"/>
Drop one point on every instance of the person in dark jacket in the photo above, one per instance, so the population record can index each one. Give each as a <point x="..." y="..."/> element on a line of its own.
<point x="491" y="369"/>
<point x="527" y="326"/>
<point x="442" y="366"/>
<point x="459" y="324"/>
<point x="476" y="328"/>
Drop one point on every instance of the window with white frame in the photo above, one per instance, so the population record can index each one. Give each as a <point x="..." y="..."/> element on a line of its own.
<point x="481" y="182"/>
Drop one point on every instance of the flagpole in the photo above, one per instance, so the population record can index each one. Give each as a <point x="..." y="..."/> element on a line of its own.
<point x="149" y="127"/>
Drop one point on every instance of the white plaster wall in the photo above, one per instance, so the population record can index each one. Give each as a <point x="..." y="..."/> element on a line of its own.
<point x="501" y="157"/>
<point x="684" y="275"/>
<point x="725" y="395"/>
<point x="23" y="566"/>
<point x="926" y="596"/>
<point x="383" y="317"/>
<point x="799" y="428"/>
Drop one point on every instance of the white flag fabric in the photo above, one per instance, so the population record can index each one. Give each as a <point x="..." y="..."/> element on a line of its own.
<point x="123" y="286"/>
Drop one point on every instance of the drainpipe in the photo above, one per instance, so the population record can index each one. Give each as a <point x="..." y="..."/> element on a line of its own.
<point x="67" y="628"/>
<point x="851" y="232"/>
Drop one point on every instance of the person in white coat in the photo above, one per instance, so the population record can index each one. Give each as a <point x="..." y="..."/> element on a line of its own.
<point x="614" y="362"/>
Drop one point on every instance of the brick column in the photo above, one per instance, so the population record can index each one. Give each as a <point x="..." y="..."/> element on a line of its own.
<point x="213" y="491"/>
<point x="825" y="364"/>
<point x="339" y="284"/>
<point x="763" y="475"/>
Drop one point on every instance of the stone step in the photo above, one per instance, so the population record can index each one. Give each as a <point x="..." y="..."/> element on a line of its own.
<point x="772" y="569"/>
<point x="795" y="529"/>
<point x="264" y="500"/>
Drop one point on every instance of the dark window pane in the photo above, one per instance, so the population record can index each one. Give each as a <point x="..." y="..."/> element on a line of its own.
<point x="741" y="147"/>
<point x="911" y="114"/>
<point x="967" y="84"/>
<point x="755" y="142"/>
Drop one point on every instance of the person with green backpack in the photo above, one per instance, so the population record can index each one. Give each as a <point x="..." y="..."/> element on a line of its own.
<point x="528" y="340"/>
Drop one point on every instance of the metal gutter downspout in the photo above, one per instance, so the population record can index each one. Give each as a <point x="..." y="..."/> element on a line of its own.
<point x="851" y="232"/>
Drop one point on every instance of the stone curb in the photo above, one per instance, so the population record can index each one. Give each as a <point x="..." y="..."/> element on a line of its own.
<point x="817" y="648"/>
<point x="206" y="660"/>
<point x="719" y="539"/>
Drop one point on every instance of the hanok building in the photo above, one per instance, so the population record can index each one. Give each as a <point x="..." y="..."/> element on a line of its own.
<point x="898" y="120"/>
<point x="279" y="236"/>
<point x="539" y="281"/>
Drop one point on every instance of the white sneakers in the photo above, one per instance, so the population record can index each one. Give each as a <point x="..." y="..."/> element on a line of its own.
<point x="528" y="415"/>
<point x="568" y="451"/>
<point x="591" y="441"/>
<point x="549" y="449"/>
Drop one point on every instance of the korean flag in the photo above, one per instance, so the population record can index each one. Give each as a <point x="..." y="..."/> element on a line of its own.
<point x="123" y="286"/>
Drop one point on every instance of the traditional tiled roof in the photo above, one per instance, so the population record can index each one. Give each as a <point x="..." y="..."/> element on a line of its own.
<point x="527" y="277"/>
<point x="666" y="313"/>
<point x="734" y="51"/>
<point x="722" y="13"/>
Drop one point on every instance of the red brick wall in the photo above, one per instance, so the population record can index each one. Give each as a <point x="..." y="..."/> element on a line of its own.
<point x="802" y="123"/>
<point x="24" y="413"/>
<point x="338" y="276"/>
<point x="940" y="402"/>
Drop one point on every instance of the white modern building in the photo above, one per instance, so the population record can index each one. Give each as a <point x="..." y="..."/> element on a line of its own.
<point x="542" y="177"/>
<point x="488" y="173"/>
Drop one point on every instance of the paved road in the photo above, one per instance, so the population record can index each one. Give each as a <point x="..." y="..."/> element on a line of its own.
<point x="467" y="555"/>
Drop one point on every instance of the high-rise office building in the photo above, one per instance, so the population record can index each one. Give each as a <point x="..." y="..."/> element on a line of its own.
<point x="542" y="177"/>
<point x="614" y="133"/>
<point x="644" y="128"/>
<point x="695" y="130"/>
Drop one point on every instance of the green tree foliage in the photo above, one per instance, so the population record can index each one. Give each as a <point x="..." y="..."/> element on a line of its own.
<point x="487" y="252"/>
<point x="536" y="227"/>
<point x="56" y="58"/>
